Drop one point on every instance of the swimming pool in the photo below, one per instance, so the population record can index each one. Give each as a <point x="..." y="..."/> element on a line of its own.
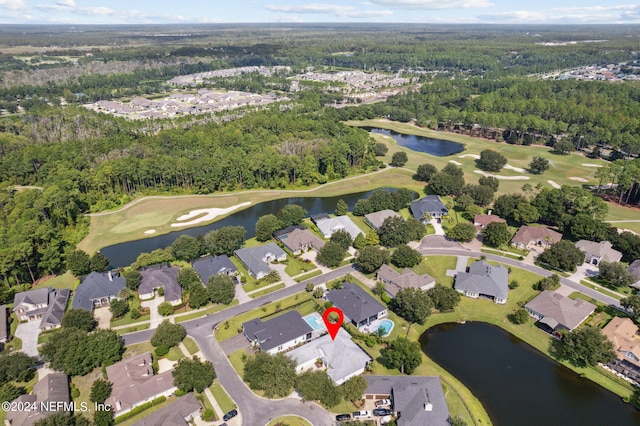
<point x="387" y="326"/>
<point x="315" y="322"/>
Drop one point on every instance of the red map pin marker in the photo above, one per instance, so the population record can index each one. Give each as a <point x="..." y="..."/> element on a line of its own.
<point x="333" y="327"/>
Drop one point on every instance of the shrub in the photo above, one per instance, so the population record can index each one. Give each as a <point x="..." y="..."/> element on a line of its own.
<point x="162" y="350"/>
<point x="165" y="309"/>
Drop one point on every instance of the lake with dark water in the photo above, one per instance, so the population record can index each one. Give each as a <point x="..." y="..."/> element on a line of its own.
<point x="124" y="254"/>
<point x="518" y="385"/>
<point x="437" y="147"/>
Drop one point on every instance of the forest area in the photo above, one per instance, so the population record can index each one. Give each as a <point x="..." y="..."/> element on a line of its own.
<point x="473" y="80"/>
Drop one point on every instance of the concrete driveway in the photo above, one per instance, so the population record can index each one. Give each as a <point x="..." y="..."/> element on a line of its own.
<point x="438" y="242"/>
<point x="28" y="332"/>
<point x="437" y="226"/>
<point x="155" y="317"/>
<point x="103" y="316"/>
<point x="236" y="343"/>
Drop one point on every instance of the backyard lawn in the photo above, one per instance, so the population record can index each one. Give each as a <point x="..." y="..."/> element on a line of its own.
<point x="437" y="266"/>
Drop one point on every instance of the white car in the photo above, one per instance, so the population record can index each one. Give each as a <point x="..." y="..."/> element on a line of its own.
<point x="383" y="403"/>
<point x="360" y="414"/>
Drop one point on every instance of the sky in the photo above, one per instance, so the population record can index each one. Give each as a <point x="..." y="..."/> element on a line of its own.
<point x="274" y="11"/>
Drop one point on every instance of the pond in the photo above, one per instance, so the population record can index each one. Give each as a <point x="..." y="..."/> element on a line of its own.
<point x="437" y="147"/>
<point x="517" y="384"/>
<point x="124" y="254"/>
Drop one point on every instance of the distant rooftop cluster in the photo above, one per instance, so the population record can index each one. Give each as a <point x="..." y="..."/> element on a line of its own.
<point x="611" y="72"/>
<point x="182" y="103"/>
<point x="201" y="77"/>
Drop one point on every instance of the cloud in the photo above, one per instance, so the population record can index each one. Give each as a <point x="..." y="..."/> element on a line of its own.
<point x="433" y="4"/>
<point x="578" y="15"/>
<point x="597" y="8"/>
<point x="329" y="9"/>
<point x="66" y="3"/>
<point x="12" y="4"/>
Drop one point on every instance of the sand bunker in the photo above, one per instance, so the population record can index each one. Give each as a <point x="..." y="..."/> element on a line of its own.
<point x="554" y="184"/>
<point x="480" y="172"/>
<point x="579" y="179"/>
<point x="476" y="156"/>
<point x="591" y="165"/>
<point x="620" y="231"/>
<point x="206" y="215"/>
<point x="457" y="163"/>
<point x="516" y="169"/>
<point x="150" y="231"/>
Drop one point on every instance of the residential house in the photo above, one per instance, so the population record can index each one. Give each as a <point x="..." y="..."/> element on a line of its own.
<point x="133" y="383"/>
<point x="623" y="333"/>
<point x="484" y="281"/>
<point x="417" y="400"/>
<point x="4" y="324"/>
<point x="556" y="312"/>
<point x="279" y="333"/>
<point x="427" y="208"/>
<point x="257" y="259"/>
<point x="300" y="240"/>
<point x="634" y="271"/>
<point x="376" y="219"/>
<point x="181" y="412"/>
<point x="358" y="306"/>
<point x="98" y="289"/>
<point x="51" y="392"/>
<point x="535" y="236"/>
<point x="208" y="266"/>
<point x="46" y="305"/>
<point x="166" y="278"/>
<point x="341" y="358"/>
<point x="340" y="223"/>
<point x="480" y="221"/>
<point x="395" y="281"/>
<point x="597" y="252"/>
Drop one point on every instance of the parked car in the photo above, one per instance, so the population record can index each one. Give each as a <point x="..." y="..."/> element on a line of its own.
<point x="385" y="420"/>
<point x="231" y="414"/>
<point x="361" y="414"/>
<point x="381" y="412"/>
<point x="383" y="403"/>
<point x="341" y="417"/>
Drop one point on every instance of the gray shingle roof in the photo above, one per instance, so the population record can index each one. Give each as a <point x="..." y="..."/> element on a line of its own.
<point x="55" y="310"/>
<point x="329" y="226"/>
<point x="253" y="257"/>
<point x="603" y="250"/>
<point x="419" y="400"/>
<point x="566" y="312"/>
<point x="430" y="204"/>
<point x="484" y="278"/>
<point x="206" y="267"/>
<point x="377" y="218"/>
<point x="275" y="331"/>
<point x="173" y="414"/>
<point x="354" y="302"/>
<point x="634" y="270"/>
<point x="54" y="387"/>
<point x="166" y="278"/>
<point x="39" y="296"/>
<point x="94" y="286"/>
<point x="4" y="323"/>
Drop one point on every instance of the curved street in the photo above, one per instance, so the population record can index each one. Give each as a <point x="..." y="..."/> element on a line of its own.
<point x="256" y="410"/>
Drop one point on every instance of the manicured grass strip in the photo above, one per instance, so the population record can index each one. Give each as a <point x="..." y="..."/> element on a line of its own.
<point x="224" y="401"/>
<point x="307" y="276"/>
<point x="133" y="329"/>
<point x="289" y="421"/>
<point x="191" y="345"/>
<point x="175" y="353"/>
<point x="587" y="283"/>
<point x="501" y="253"/>
<point x="144" y="407"/>
<point x="199" y="314"/>
<point x="266" y="290"/>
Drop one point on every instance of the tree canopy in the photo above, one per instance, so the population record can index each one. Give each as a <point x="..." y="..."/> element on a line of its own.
<point x="273" y="374"/>
<point x="193" y="374"/>
<point x="412" y="304"/>
<point x="403" y="355"/>
<point x="563" y="255"/>
<point x="168" y="334"/>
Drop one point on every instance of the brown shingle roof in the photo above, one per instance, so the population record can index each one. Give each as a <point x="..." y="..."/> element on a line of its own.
<point x="300" y="238"/>
<point x="527" y="234"/>
<point x="623" y="333"/>
<point x="566" y="312"/>
<point x="603" y="250"/>
<point x="406" y="279"/>
<point x="482" y="220"/>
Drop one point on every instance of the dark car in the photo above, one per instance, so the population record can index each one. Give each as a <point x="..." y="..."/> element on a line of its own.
<point x="341" y="417"/>
<point x="231" y="414"/>
<point x="381" y="412"/>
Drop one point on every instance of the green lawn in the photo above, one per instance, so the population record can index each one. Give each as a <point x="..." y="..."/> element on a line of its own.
<point x="132" y="329"/>
<point x="66" y="280"/>
<point x="297" y="266"/>
<point x="137" y="349"/>
<point x="307" y="276"/>
<point x="147" y="412"/>
<point x="267" y="290"/>
<point x="175" y="354"/>
<point x="437" y="266"/>
<point x="224" y="401"/>
<point x="134" y="304"/>
<point x="589" y="284"/>
<point x="235" y="323"/>
<point x="83" y="383"/>
<point x="191" y="345"/>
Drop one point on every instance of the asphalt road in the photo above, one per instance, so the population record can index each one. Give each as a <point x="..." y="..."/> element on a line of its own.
<point x="256" y="410"/>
